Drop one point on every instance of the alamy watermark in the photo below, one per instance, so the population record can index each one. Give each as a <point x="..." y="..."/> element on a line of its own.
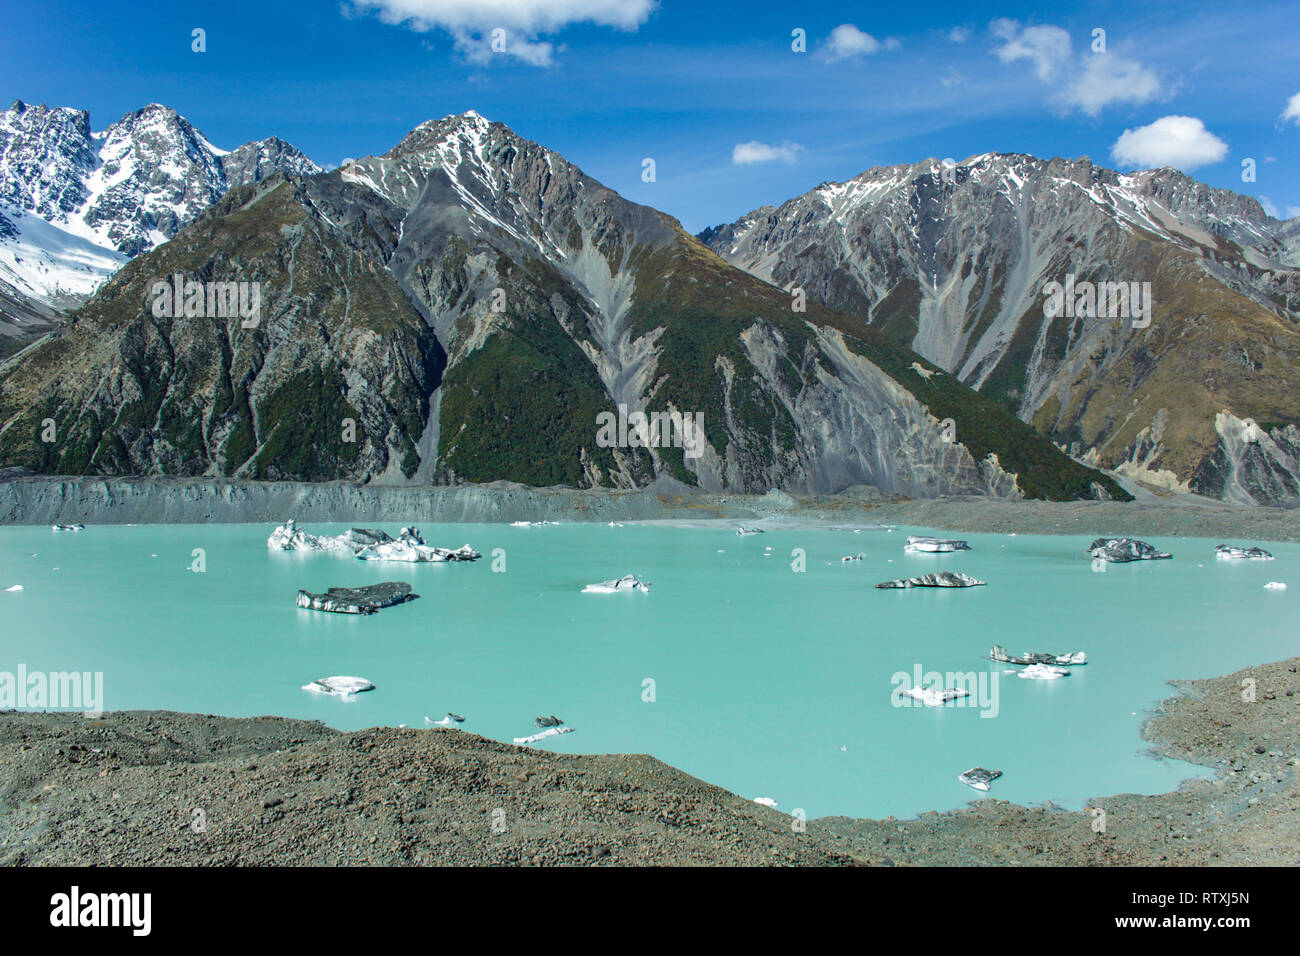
<point x="1098" y="300"/>
<point x="656" y="430"/>
<point x="951" y="689"/>
<point x="56" y="690"/>
<point x="178" y="297"/>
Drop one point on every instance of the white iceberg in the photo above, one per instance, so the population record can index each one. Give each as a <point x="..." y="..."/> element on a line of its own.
<point x="1041" y="672"/>
<point x="1275" y="586"/>
<point x="16" y="587"/>
<point x="451" y="720"/>
<point x="68" y="527"/>
<point x="289" y="537"/>
<point x="411" y="547"/>
<point x="626" y="584"/>
<point x="979" y="778"/>
<point x="550" y="732"/>
<point x="919" y="543"/>
<point x="934" y="696"/>
<point x="1226" y="552"/>
<point x="743" y="531"/>
<point x="341" y="686"/>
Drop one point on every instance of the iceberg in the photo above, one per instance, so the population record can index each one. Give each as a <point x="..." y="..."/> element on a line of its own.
<point x="766" y="802"/>
<point x="551" y="732"/>
<point x="743" y="531"/>
<point x="1119" y="550"/>
<point x="411" y="547"/>
<point x="853" y="557"/>
<point x="363" y="600"/>
<point x="551" y="721"/>
<point x="944" y="579"/>
<point x="68" y="527"/>
<point x="451" y="720"/>
<point x="1041" y="672"/>
<point x="934" y="696"/>
<point x="1275" y="586"/>
<point x="339" y="686"/>
<point x="920" y="544"/>
<point x="1000" y="654"/>
<point x="289" y="537"/>
<point x="1226" y="552"/>
<point x="627" y="583"/>
<point x="979" y="778"/>
<point x="16" y="587"/>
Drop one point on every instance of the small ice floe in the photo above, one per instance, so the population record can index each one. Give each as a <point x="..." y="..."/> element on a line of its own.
<point x="1275" y="586"/>
<point x="766" y="802"/>
<point x="944" y="579"/>
<point x="1000" y="654"/>
<point x="551" y="721"/>
<point x="451" y="720"/>
<point x="627" y="583"/>
<point x="1227" y="552"/>
<point x="533" y="524"/>
<point x="853" y="557"/>
<point x="743" y="531"/>
<point x="339" y="686"/>
<point x="68" y="527"/>
<point x="16" y="587"/>
<point x="979" y="778"/>
<point x="934" y="696"/>
<point x="844" y="749"/>
<point x="616" y="524"/>
<point x="1119" y="550"/>
<point x="1041" y="672"/>
<point x="549" y="732"/>
<point x="920" y="544"/>
<point x="363" y="600"/>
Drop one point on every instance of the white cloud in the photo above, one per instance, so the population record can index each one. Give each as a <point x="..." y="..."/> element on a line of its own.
<point x="1292" y="111"/>
<point x="959" y="34"/>
<point x="756" y="152"/>
<point x="1179" y="141"/>
<point x="1292" y="211"/>
<point x="847" y="41"/>
<point x="471" y="22"/>
<point x="1107" y="78"/>
<point x="1048" y="48"/>
<point x="1269" y="208"/>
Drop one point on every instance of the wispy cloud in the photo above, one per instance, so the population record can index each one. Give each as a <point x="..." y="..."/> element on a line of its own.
<point x="847" y="42"/>
<point x="482" y="29"/>
<point x="1088" y="83"/>
<point x="1292" y="111"/>
<point x="1179" y="141"/>
<point x="755" y="152"/>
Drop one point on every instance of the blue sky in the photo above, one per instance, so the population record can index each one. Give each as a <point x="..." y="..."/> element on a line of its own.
<point x="732" y="116"/>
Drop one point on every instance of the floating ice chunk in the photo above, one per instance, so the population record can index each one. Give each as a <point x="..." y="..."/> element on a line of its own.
<point x="341" y="686"/>
<point x="1275" y="586"/>
<point x="766" y="802"/>
<point x="944" y="579"/>
<point x="1041" y="672"/>
<point x="411" y="547"/>
<point x="16" y="587"/>
<point x="1225" y="552"/>
<point x="934" y="696"/>
<point x="363" y="600"/>
<point x="920" y="544"/>
<point x="289" y="537"/>
<point x="979" y="778"/>
<point x="451" y="720"/>
<point x="68" y="527"/>
<point x="1124" y="549"/>
<point x="627" y="583"/>
<point x="853" y="557"/>
<point x="551" y="721"/>
<point x="549" y="732"/>
<point x="743" y="531"/>
<point x="1000" y="654"/>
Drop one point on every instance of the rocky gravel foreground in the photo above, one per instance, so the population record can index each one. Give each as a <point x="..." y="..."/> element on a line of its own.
<point x="154" y="787"/>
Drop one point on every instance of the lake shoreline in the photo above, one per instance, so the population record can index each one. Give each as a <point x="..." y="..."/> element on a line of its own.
<point x="276" y="791"/>
<point x="35" y="500"/>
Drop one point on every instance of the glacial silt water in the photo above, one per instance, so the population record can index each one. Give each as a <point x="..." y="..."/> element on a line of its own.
<point x="736" y="667"/>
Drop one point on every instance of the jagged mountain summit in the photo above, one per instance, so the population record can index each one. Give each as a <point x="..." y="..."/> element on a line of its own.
<point x="77" y="204"/>
<point x="468" y="307"/>
<point x="957" y="262"/>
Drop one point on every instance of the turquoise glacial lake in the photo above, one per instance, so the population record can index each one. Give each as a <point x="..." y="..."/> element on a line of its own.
<point x="768" y="681"/>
